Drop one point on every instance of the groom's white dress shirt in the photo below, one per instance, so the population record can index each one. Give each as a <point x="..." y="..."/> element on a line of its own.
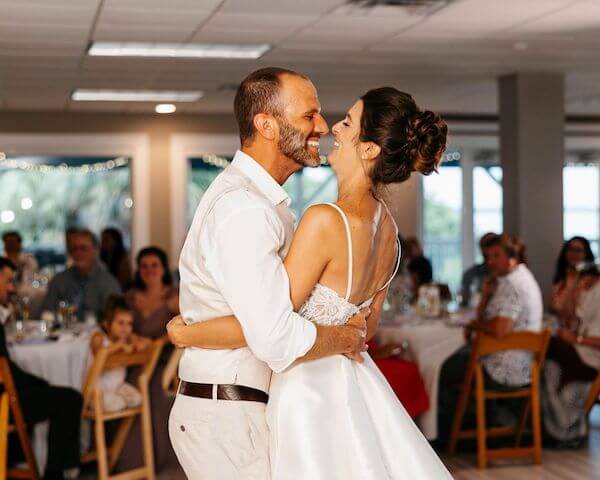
<point x="231" y="263"/>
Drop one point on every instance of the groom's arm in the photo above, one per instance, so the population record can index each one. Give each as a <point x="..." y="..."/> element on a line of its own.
<point x="242" y="256"/>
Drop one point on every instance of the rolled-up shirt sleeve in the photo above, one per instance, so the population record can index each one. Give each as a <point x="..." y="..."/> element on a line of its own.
<point x="242" y="257"/>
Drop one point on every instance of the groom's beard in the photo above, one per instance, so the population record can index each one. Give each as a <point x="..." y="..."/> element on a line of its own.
<point x="293" y="145"/>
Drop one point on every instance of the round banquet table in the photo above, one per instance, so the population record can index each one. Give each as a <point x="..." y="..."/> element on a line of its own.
<point x="62" y="363"/>
<point x="431" y="342"/>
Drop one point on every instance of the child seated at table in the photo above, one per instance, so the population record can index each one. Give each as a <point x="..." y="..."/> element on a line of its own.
<point x="117" y="335"/>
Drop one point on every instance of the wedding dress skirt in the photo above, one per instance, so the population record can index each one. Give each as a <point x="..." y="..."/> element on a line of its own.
<point x="335" y="418"/>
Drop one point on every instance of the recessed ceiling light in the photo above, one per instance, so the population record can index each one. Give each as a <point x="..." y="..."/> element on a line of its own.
<point x="165" y="108"/>
<point x="89" y="95"/>
<point x="179" y="50"/>
<point x="520" y="45"/>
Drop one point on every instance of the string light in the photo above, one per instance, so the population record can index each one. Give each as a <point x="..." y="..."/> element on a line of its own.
<point x="63" y="167"/>
<point x="215" y="160"/>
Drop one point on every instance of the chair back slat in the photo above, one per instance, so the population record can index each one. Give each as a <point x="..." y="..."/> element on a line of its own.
<point x="534" y="342"/>
<point x="104" y="361"/>
<point x="125" y="360"/>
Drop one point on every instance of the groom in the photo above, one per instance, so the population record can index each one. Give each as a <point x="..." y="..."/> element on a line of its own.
<point x="232" y="263"/>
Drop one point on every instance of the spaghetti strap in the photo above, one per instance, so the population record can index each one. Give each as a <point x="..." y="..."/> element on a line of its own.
<point x="399" y="248"/>
<point x="395" y="269"/>
<point x="350" y="260"/>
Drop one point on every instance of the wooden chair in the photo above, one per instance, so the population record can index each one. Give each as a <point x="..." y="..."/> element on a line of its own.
<point x="105" y="455"/>
<point x="592" y="397"/>
<point x="9" y="404"/>
<point x="536" y="343"/>
<point x="170" y="379"/>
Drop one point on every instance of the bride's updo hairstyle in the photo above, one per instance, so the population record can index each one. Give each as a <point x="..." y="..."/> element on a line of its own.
<point x="411" y="140"/>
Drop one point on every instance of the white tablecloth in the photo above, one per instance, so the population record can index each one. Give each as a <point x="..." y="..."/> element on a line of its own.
<point x="431" y="342"/>
<point x="61" y="363"/>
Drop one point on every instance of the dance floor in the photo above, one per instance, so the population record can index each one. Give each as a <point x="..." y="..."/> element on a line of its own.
<point x="578" y="464"/>
<point x="557" y="464"/>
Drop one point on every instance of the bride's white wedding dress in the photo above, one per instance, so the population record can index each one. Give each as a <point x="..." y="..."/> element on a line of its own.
<point x="334" y="418"/>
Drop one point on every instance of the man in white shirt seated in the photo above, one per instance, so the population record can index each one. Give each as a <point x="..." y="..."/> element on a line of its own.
<point x="511" y="300"/>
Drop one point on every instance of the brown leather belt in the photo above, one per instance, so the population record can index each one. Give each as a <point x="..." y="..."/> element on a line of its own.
<point x="224" y="392"/>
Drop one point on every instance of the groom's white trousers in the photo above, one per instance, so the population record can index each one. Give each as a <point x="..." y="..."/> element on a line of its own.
<point x="220" y="439"/>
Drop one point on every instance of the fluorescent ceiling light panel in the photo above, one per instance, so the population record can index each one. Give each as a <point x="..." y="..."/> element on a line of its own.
<point x="161" y="96"/>
<point x="177" y="50"/>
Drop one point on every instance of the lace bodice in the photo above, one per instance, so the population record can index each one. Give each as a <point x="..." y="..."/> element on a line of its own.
<point x="325" y="306"/>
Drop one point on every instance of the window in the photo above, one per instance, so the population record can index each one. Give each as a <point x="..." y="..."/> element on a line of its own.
<point x="581" y="197"/>
<point x="442" y="225"/>
<point x="42" y="196"/>
<point x="459" y="205"/>
<point x="310" y="186"/>
<point x="487" y="203"/>
<point x="202" y="172"/>
<point x="305" y="188"/>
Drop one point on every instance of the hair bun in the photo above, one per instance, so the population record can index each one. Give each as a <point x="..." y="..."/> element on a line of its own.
<point x="410" y="139"/>
<point x="427" y="141"/>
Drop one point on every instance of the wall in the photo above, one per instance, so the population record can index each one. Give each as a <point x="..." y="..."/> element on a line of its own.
<point x="402" y="199"/>
<point x="158" y="129"/>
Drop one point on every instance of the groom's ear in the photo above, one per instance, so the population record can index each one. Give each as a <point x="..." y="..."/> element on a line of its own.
<point x="266" y="126"/>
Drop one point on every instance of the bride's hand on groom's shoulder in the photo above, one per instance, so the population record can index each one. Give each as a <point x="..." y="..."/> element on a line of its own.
<point x="358" y="335"/>
<point x="174" y="330"/>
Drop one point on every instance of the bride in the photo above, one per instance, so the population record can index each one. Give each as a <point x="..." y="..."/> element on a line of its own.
<point x="335" y="418"/>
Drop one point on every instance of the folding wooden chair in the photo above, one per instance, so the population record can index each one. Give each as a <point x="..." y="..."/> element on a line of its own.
<point x="592" y="397"/>
<point x="170" y="379"/>
<point x="105" y="455"/>
<point x="9" y="404"/>
<point x="536" y="343"/>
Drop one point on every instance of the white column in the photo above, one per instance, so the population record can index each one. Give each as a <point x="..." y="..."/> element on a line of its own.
<point x="532" y="157"/>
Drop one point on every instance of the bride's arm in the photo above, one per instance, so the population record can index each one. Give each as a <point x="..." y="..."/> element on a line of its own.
<point x="308" y="255"/>
<point x="310" y="251"/>
<point x="215" y="334"/>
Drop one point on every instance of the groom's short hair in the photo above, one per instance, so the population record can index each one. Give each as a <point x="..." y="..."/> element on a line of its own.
<point x="259" y="93"/>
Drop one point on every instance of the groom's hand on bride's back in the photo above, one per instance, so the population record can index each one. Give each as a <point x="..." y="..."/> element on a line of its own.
<point x="357" y="326"/>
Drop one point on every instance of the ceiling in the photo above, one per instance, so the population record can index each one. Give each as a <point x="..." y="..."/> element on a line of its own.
<point x="449" y="60"/>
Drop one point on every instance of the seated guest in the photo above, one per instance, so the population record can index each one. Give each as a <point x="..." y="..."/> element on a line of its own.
<point x="114" y="256"/>
<point x="421" y="273"/>
<point x="572" y="364"/>
<point x="511" y="301"/>
<point x="87" y="284"/>
<point x="402" y="375"/>
<point x="153" y="298"/>
<point x="26" y="264"/>
<point x="411" y="248"/>
<point x="473" y="277"/>
<point x="69" y="235"/>
<point x="39" y="401"/>
<point x="573" y="252"/>
<point x="117" y="335"/>
<point x="154" y="301"/>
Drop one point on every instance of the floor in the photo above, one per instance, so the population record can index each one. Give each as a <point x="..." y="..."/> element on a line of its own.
<point x="578" y="464"/>
<point x="557" y="464"/>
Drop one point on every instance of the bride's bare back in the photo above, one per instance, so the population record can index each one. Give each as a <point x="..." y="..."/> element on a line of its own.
<point x="322" y="256"/>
